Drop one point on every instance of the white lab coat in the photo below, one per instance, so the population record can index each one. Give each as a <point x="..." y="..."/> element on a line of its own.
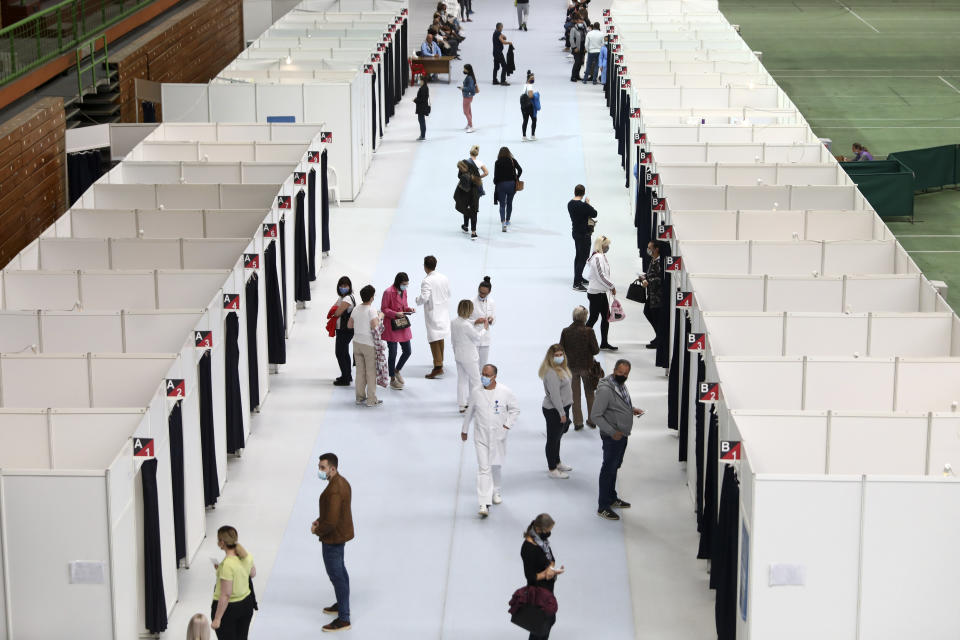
<point x="465" y="337"/>
<point x="490" y="411"/>
<point x="435" y="297"/>
<point x="485" y="308"/>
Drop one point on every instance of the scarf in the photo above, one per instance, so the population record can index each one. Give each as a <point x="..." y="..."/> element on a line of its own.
<point x="543" y="544"/>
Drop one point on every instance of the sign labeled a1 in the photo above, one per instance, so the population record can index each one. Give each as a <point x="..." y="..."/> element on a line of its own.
<point x="251" y="261"/>
<point x="730" y="450"/>
<point x="664" y="232"/>
<point x="270" y="230"/>
<point x="708" y="392"/>
<point x="143" y="447"/>
<point x="684" y="298"/>
<point x="299" y="177"/>
<point x="326" y="137"/>
<point x="673" y="263"/>
<point x="231" y="301"/>
<point x="696" y="341"/>
<point x="203" y="339"/>
<point x="176" y="388"/>
<point x="313" y="156"/>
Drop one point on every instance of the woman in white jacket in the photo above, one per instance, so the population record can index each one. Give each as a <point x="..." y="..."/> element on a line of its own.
<point x="484" y="309"/>
<point x="466" y="336"/>
<point x="599" y="288"/>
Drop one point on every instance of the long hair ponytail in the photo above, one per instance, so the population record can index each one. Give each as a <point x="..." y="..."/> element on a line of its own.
<point x="228" y="536"/>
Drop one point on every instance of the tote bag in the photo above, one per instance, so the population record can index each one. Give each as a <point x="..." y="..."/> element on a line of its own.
<point x="616" y="312"/>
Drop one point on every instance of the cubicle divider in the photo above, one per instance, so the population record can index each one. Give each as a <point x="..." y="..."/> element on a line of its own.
<point x="819" y="225"/>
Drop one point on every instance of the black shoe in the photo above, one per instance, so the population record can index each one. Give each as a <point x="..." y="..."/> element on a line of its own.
<point x="608" y="347"/>
<point x="578" y="427"/>
<point x="592" y="425"/>
<point x="505" y="84"/>
<point x="337" y="625"/>
<point x="332" y="609"/>
<point x="620" y="504"/>
<point x="496" y="82"/>
<point x="341" y="382"/>
<point x="579" y="287"/>
<point x="463" y="228"/>
<point x="606" y="514"/>
<point x="651" y="346"/>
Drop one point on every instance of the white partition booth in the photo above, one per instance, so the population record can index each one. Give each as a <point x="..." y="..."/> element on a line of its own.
<point x="817" y="224"/>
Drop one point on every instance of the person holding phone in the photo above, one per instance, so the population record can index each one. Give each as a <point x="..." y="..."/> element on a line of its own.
<point x="539" y="565"/>
<point x="396" y="328"/>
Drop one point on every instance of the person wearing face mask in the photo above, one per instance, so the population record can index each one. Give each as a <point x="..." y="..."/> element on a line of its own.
<point x="334" y="528"/>
<point x="344" y="334"/>
<point x="539" y="565"/>
<point x="465" y="336"/>
<point x="493" y="410"/>
<point x="396" y="328"/>
<point x="558" y="396"/>
<point x="469" y="89"/>
<point x="599" y="289"/>
<point x="653" y="283"/>
<point x="233" y="603"/>
<point x="613" y="413"/>
<point x="484" y="308"/>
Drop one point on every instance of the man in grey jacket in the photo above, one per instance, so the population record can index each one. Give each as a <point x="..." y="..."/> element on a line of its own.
<point x="613" y="413"/>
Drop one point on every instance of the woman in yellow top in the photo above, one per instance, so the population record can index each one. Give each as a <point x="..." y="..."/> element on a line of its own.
<point x="233" y="603"/>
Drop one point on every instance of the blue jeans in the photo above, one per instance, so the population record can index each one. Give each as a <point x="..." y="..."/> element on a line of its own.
<point x="337" y="572"/>
<point x="593" y="61"/>
<point x="392" y="356"/>
<point x="613" y="451"/>
<point x="505" y="192"/>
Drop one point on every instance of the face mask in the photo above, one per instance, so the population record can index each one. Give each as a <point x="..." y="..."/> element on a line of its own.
<point x="605" y="249"/>
<point x="620" y="379"/>
<point x="485" y="381"/>
<point x="649" y="252"/>
<point x="558" y="359"/>
<point x="482" y="296"/>
<point x="344" y="290"/>
<point x="545" y="535"/>
<point x="402" y="287"/>
<point x="322" y="475"/>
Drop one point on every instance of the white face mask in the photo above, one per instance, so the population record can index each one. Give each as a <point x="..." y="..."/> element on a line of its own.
<point x="558" y="359"/>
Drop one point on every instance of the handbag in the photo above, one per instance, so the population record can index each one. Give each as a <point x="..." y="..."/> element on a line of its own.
<point x="616" y="312"/>
<point x="519" y="185"/>
<point x="402" y="322"/>
<point x="637" y="292"/>
<point x="532" y="618"/>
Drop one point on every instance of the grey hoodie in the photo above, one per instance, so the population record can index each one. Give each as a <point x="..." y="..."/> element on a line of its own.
<point x="610" y="413"/>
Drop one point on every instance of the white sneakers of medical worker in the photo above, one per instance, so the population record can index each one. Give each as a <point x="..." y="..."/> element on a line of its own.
<point x="484" y="512"/>
<point x="497" y="498"/>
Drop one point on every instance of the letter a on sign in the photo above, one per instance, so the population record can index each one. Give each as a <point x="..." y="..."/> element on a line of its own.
<point x="176" y="388"/>
<point x="204" y="339"/>
<point x="143" y="447"/>
<point x="231" y="301"/>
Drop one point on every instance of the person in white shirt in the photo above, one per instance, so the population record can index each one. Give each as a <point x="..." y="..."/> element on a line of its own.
<point x="434" y="297"/>
<point x="465" y="337"/>
<point x="594" y="44"/>
<point x="493" y="411"/>
<point x="365" y="322"/>
<point x="528" y="107"/>
<point x="484" y="308"/>
<point x="599" y="287"/>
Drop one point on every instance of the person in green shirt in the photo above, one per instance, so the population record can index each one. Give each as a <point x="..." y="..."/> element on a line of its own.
<point x="233" y="602"/>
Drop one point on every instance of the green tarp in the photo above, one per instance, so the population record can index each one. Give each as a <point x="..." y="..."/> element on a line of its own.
<point x="932" y="167"/>
<point x="886" y="184"/>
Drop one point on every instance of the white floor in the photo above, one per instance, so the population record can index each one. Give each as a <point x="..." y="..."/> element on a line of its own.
<point x="423" y="565"/>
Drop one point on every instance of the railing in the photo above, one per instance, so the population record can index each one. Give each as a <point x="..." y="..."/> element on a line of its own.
<point x="56" y="30"/>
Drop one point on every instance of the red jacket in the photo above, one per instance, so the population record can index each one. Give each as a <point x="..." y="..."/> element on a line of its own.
<point x="332" y="321"/>
<point x="535" y="596"/>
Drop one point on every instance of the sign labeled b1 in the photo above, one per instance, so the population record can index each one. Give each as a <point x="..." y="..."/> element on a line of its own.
<point x="730" y="450"/>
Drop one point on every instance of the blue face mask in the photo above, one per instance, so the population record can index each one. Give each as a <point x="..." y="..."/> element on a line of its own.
<point x="402" y="287"/>
<point x="485" y="381"/>
<point x="344" y="290"/>
<point x="558" y="359"/>
<point x="322" y="475"/>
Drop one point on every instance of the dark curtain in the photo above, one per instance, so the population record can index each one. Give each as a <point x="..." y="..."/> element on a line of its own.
<point x="684" y="424"/>
<point x="388" y="83"/>
<point x="663" y="317"/>
<point x="149" y="112"/>
<point x="231" y="378"/>
<point x="625" y="136"/>
<point x="283" y="263"/>
<point x="606" y="85"/>
<point x="324" y="205"/>
<point x="83" y="169"/>
<point x="175" y="430"/>
<point x="155" y="602"/>
<point x="301" y="262"/>
<point x="673" y="388"/>
<point x="708" y="523"/>
<point x="618" y="123"/>
<point x="276" y="337"/>
<point x="699" y="436"/>
<point x="312" y="219"/>
<point x="642" y="219"/>
<point x="404" y="66"/>
<point x="723" y="567"/>
<point x="252" y="296"/>
<point x="375" y="120"/>
<point x="208" y="446"/>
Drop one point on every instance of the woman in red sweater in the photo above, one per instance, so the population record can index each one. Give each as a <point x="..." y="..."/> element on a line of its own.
<point x="396" y="328"/>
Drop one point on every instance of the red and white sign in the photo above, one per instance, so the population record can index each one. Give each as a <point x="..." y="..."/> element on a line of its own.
<point x="646" y="157"/>
<point x="299" y="177"/>
<point x="143" y="447"/>
<point x="696" y="341"/>
<point x="708" y="392"/>
<point x="203" y="339"/>
<point x="624" y="83"/>
<point x="326" y="137"/>
<point x="231" y="301"/>
<point x="658" y="203"/>
<point x="313" y="156"/>
<point x="283" y="202"/>
<point x="684" y="298"/>
<point x="730" y="450"/>
<point x="251" y="261"/>
<point x="176" y="388"/>
<point x="653" y="180"/>
<point x="368" y="68"/>
<point x="673" y="263"/>
<point x="664" y="231"/>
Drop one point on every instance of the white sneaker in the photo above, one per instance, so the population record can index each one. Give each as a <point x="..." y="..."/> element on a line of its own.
<point x="524" y="138"/>
<point x="497" y="498"/>
<point x="556" y="474"/>
<point x="470" y="129"/>
<point x="484" y="512"/>
<point x="563" y="467"/>
<point x="533" y="138"/>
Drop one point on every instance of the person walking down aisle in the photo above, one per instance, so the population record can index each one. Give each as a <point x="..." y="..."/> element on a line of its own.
<point x="583" y="217"/>
<point x="579" y="342"/>
<point x="653" y="283"/>
<point x="366" y="323"/>
<point x="523" y="10"/>
<point x="465" y="336"/>
<point x="334" y="528"/>
<point x="199" y="627"/>
<point x="594" y="43"/>
<point x="556" y="406"/>
<point x="344" y="334"/>
<point x="539" y="565"/>
<point x="396" y="328"/>
<point x="434" y="297"/>
<point x="232" y="608"/>
<point x="484" y="308"/>
<point x="493" y="410"/>
<point x="506" y="183"/>
<point x="469" y="89"/>
<point x="613" y="411"/>
<point x="423" y="106"/>
<point x="499" y="60"/>
<point x="529" y="107"/>
<point x="599" y="287"/>
<point x="578" y="36"/>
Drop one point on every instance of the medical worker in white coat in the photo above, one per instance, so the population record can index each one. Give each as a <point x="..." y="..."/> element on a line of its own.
<point x="466" y="337"/>
<point x="484" y="311"/>
<point x="493" y="411"/>
<point x="435" y="297"/>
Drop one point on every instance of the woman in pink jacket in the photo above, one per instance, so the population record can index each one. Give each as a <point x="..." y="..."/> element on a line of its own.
<point x="396" y="328"/>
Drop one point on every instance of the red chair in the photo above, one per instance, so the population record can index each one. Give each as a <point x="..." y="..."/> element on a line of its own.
<point x="416" y="69"/>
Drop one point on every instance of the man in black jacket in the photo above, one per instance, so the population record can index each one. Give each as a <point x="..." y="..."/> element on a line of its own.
<point x="582" y="218"/>
<point x="499" y="60"/>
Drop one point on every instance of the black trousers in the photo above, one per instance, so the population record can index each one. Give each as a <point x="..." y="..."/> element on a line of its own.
<point x="581" y="243"/>
<point x="546" y="636"/>
<point x="577" y="63"/>
<point x="653" y="317"/>
<point x="470" y="219"/>
<point x="555" y="431"/>
<point x="235" y="624"/>
<point x="499" y="62"/>
<point x="342" y="349"/>
<point x="423" y="124"/>
<point x="528" y="116"/>
<point x="599" y="308"/>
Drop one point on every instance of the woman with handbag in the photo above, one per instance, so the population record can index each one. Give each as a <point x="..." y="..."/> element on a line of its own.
<point x="506" y="183"/>
<point x="396" y="329"/>
<point x="579" y="343"/>
<point x="423" y="105"/>
<point x="466" y="197"/>
<point x="466" y="336"/>
<point x="599" y="288"/>
<point x="653" y="285"/>
<point x="539" y="566"/>
<point x="344" y="335"/>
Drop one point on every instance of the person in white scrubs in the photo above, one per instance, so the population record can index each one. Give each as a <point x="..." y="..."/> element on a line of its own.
<point x="493" y="410"/>
<point x="466" y="337"/>
<point x="435" y="297"/>
<point x="484" y="309"/>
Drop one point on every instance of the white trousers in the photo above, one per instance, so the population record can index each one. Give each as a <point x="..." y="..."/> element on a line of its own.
<point x="491" y="449"/>
<point x="468" y="377"/>
<point x="484" y="352"/>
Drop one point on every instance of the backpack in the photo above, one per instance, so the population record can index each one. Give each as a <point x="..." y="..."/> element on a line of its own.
<point x="525" y="101"/>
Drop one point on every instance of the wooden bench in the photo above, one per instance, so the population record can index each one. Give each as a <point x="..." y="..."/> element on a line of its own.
<point x="436" y="64"/>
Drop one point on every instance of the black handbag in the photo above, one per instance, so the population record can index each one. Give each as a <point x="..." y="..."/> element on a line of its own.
<point x="402" y="322"/>
<point x="637" y="292"/>
<point x="533" y="619"/>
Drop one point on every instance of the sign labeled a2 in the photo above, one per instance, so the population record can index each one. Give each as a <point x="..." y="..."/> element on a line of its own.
<point x="684" y="298"/>
<point x="313" y="156"/>
<point x="708" y="392"/>
<point x="664" y="231"/>
<point x="251" y="261"/>
<point x="326" y="137"/>
<point x="283" y="202"/>
<point x="696" y="341"/>
<point x="231" y="301"/>
<point x="270" y="230"/>
<point x="730" y="450"/>
<point x="143" y="447"/>
<point x="176" y="388"/>
<point x="203" y="339"/>
<point x="673" y="263"/>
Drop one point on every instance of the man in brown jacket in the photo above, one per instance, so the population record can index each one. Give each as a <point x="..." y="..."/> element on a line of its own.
<point x="334" y="527"/>
<point x="580" y="344"/>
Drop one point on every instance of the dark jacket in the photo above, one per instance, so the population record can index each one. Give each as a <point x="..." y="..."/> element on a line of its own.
<point x="466" y="197"/>
<point x="423" y="100"/>
<point x="506" y="170"/>
<point x="654" y="277"/>
<point x="511" y="67"/>
<point x="580" y="213"/>
<point x="335" y="523"/>
<point x="579" y="342"/>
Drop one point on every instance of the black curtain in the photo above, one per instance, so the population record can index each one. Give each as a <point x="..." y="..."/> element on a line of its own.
<point x="155" y="602"/>
<point x="175" y="430"/>
<point x="208" y="446"/>
<point x="404" y="65"/>
<point x="231" y="381"/>
<point x="399" y="60"/>
<point x="374" y="119"/>
<point x="387" y="83"/>
<point x="723" y="566"/>
<point x="83" y="169"/>
<point x="252" y="296"/>
<point x="663" y="317"/>
<point x="684" y="424"/>
<point x="709" y="519"/>
<point x="283" y="262"/>
<point x="673" y="388"/>
<point x="606" y="85"/>
<point x="625" y="125"/>
<point x="642" y="217"/>
<point x="301" y="262"/>
<point x="276" y="337"/>
<point x="699" y="437"/>
<point x="618" y="123"/>
<point x="324" y="205"/>
<point x="312" y="219"/>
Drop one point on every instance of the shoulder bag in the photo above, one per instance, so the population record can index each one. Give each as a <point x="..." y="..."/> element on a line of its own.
<point x="637" y="292"/>
<point x="402" y="322"/>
